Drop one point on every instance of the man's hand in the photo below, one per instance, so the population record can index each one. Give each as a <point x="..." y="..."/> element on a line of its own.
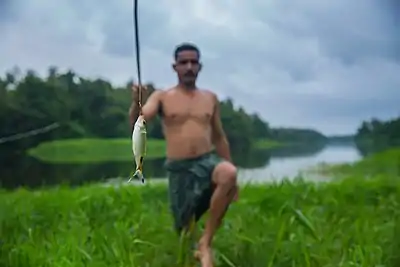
<point x="136" y="90"/>
<point x="150" y="103"/>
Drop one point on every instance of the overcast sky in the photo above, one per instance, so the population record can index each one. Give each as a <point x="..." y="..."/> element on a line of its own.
<point x="309" y="63"/>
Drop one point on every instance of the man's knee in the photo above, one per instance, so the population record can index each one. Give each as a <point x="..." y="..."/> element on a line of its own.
<point x="225" y="173"/>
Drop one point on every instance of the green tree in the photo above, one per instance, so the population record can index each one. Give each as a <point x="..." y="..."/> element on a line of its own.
<point x="376" y="135"/>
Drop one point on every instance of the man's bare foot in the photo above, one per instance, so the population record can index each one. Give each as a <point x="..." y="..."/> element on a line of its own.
<point x="204" y="255"/>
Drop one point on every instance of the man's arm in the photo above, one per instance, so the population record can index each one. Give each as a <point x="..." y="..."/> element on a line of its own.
<point x="218" y="135"/>
<point x="149" y="109"/>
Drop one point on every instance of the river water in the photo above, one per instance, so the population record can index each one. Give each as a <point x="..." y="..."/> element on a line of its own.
<point x="291" y="167"/>
<point x="257" y="166"/>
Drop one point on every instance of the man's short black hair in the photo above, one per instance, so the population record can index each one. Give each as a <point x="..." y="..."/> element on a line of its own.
<point x="186" y="47"/>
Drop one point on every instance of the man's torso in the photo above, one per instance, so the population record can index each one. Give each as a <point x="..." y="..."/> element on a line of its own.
<point x="186" y="121"/>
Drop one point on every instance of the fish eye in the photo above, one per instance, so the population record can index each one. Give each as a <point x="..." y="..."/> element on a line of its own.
<point x="144" y="122"/>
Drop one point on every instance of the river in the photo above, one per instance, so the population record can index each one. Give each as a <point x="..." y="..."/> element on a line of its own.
<point x="257" y="166"/>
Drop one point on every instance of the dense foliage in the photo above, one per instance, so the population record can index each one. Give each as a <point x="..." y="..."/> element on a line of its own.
<point x="94" y="108"/>
<point x="293" y="135"/>
<point x="377" y="135"/>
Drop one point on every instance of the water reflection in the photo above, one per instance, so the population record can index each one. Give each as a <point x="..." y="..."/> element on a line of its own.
<point x="296" y="151"/>
<point x="291" y="166"/>
<point x="27" y="171"/>
<point x="19" y="170"/>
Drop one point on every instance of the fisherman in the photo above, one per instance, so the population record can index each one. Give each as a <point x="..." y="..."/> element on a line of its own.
<point x="199" y="168"/>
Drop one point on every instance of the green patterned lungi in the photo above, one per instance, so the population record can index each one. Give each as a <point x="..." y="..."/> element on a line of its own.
<point x="190" y="187"/>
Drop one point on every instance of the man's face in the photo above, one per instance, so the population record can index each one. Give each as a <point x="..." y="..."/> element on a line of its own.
<point x="187" y="66"/>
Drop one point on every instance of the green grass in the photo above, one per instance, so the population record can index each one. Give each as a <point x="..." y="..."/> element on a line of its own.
<point x="99" y="150"/>
<point x="348" y="223"/>
<point x="93" y="150"/>
<point x="266" y="144"/>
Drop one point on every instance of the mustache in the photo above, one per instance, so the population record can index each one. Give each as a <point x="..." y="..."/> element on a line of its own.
<point x="190" y="74"/>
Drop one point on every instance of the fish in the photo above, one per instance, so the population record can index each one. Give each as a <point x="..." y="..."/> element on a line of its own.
<point x="139" y="140"/>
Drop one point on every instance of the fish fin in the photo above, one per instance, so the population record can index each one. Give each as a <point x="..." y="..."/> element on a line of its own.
<point x="140" y="167"/>
<point x="140" y="173"/>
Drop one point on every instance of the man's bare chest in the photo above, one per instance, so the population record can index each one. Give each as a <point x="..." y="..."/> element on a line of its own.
<point x="181" y="110"/>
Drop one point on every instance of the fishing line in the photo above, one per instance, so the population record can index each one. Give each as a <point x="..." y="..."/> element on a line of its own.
<point x="137" y="46"/>
<point x="30" y="133"/>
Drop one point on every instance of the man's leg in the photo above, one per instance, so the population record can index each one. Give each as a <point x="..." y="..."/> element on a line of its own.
<point x="224" y="178"/>
<point x="181" y="197"/>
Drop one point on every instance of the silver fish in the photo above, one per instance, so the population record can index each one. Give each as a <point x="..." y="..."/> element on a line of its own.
<point x="139" y="140"/>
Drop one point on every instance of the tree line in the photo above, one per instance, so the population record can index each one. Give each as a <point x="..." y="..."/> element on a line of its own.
<point x="84" y="107"/>
<point x="375" y="135"/>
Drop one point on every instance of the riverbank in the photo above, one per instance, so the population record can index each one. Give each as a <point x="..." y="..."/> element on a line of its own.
<point x="383" y="163"/>
<point x="93" y="150"/>
<point x="100" y="150"/>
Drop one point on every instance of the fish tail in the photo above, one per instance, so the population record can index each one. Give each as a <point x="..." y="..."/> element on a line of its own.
<point x="139" y="172"/>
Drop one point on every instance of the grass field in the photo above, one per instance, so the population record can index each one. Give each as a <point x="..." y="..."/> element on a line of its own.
<point x="265" y="144"/>
<point x="93" y="150"/>
<point x="350" y="222"/>
<point x="98" y="150"/>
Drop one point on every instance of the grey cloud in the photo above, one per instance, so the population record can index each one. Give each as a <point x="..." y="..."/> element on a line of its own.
<point x="118" y="31"/>
<point x="7" y="11"/>
<point x="347" y="30"/>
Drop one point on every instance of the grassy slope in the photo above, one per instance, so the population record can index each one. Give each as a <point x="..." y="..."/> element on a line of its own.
<point x="97" y="150"/>
<point x="265" y="144"/>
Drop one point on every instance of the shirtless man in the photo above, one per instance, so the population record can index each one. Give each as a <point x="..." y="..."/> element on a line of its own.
<point x="199" y="179"/>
